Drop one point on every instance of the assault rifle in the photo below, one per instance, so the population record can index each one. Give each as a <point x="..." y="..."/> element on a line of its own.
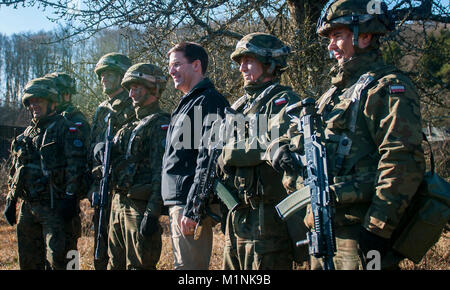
<point x="104" y="183"/>
<point x="209" y="185"/>
<point x="321" y="239"/>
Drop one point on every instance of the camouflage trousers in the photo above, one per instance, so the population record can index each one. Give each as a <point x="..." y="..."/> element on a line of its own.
<point x="256" y="239"/>
<point x="41" y="237"/>
<point x="101" y="262"/>
<point x="127" y="248"/>
<point x="72" y="230"/>
<point x="348" y="255"/>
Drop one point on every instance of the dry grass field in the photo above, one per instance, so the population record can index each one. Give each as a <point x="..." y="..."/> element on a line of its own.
<point x="438" y="257"/>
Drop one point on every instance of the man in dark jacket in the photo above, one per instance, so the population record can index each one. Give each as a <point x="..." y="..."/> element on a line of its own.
<point x="186" y="157"/>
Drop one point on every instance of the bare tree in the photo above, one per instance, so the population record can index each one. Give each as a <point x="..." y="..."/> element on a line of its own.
<point x="149" y="28"/>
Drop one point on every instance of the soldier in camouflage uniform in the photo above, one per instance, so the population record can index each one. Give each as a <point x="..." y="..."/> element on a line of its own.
<point x="66" y="87"/>
<point x="49" y="159"/>
<point x="372" y="136"/>
<point x="138" y="147"/>
<point x="255" y="237"/>
<point x="110" y="70"/>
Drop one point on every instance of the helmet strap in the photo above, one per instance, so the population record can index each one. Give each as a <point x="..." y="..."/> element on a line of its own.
<point x="271" y="68"/>
<point x="354" y="26"/>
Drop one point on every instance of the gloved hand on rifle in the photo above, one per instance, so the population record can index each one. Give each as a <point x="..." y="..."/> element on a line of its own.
<point x="222" y="168"/>
<point x="149" y="224"/>
<point x="69" y="206"/>
<point x="284" y="162"/>
<point x="10" y="211"/>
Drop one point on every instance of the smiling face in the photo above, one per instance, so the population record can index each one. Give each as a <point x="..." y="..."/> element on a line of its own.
<point x="141" y="95"/>
<point x="341" y="44"/>
<point x="38" y="107"/>
<point x="182" y="72"/>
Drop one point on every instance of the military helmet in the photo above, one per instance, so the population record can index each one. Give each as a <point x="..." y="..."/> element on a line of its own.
<point x="265" y="47"/>
<point x="112" y="61"/>
<point x="146" y="74"/>
<point x="40" y="88"/>
<point x="360" y="16"/>
<point x="63" y="82"/>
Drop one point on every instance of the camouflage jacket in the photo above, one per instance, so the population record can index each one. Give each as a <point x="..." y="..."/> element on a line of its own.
<point x="73" y="114"/>
<point x="122" y="111"/>
<point x="375" y="180"/>
<point x="252" y="173"/>
<point x="136" y="157"/>
<point x="50" y="152"/>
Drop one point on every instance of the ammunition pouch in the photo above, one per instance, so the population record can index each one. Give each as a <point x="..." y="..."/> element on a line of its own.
<point x="351" y="189"/>
<point x="244" y="181"/>
<point x="124" y="172"/>
<point x="140" y="192"/>
<point x="422" y="224"/>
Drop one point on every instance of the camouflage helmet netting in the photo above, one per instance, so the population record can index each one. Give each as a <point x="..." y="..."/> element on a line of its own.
<point x="40" y="88"/>
<point x="112" y="61"/>
<point x="146" y="74"/>
<point x="369" y="16"/>
<point x="63" y="82"/>
<point x="265" y="47"/>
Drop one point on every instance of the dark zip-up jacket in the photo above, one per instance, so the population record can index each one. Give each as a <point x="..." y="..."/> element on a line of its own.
<point x="185" y="156"/>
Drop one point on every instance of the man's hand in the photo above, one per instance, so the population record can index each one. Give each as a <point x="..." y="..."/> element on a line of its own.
<point x="283" y="161"/>
<point x="187" y="226"/>
<point x="10" y="211"/>
<point x="149" y="225"/>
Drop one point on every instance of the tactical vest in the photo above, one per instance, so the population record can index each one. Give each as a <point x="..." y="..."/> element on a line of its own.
<point x="251" y="182"/>
<point x="38" y="154"/>
<point x="132" y="168"/>
<point x="352" y="154"/>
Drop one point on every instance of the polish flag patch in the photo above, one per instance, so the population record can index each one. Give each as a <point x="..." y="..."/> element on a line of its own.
<point x="280" y="101"/>
<point x="78" y="124"/>
<point x="395" y="89"/>
<point x="73" y="129"/>
<point x="164" y="127"/>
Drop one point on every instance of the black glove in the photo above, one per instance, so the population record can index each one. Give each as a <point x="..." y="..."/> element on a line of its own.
<point x="283" y="161"/>
<point x="10" y="211"/>
<point x="369" y="241"/>
<point x="221" y="168"/>
<point x="69" y="207"/>
<point x="149" y="225"/>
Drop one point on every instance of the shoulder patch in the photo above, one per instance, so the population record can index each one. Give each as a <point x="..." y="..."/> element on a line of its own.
<point x="78" y="124"/>
<point x="78" y="143"/>
<point x="280" y="101"/>
<point x="73" y="129"/>
<point x="164" y="127"/>
<point x="395" y="89"/>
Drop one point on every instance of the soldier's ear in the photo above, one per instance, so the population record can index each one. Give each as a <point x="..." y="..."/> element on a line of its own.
<point x="364" y="40"/>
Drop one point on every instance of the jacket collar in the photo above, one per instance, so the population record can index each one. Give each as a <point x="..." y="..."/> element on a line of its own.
<point x="349" y="72"/>
<point x="142" y="112"/>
